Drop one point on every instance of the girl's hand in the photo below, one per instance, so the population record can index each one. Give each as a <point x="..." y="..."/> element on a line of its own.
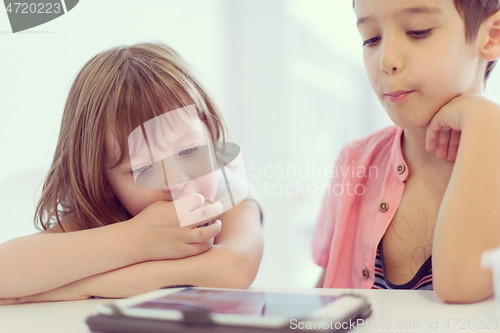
<point x="161" y="236"/>
<point x="69" y="292"/>
<point x="445" y="128"/>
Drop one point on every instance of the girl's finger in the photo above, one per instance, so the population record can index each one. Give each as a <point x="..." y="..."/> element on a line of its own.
<point x="204" y="213"/>
<point x="188" y="203"/>
<point x="197" y="248"/>
<point x="200" y="235"/>
<point x="9" y="301"/>
<point x="26" y="299"/>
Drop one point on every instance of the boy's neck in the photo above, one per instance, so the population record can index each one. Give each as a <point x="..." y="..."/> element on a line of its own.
<point x="417" y="158"/>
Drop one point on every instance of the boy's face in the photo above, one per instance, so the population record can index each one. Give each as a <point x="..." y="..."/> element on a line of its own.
<point x="416" y="56"/>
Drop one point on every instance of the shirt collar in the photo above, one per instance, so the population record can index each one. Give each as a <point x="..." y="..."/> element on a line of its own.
<point x="398" y="164"/>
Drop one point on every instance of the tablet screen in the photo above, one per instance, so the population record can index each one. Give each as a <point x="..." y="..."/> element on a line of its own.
<point x="263" y="304"/>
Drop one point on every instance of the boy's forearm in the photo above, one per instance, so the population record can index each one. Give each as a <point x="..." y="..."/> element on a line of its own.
<point x="41" y="262"/>
<point x="469" y="218"/>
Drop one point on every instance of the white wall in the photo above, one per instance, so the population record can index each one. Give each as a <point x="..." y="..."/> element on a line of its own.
<point x="288" y="75"/>
<point x="37" y="68"/>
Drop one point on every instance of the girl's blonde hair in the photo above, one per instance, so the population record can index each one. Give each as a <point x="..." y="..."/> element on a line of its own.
<point x="117" y="91"/>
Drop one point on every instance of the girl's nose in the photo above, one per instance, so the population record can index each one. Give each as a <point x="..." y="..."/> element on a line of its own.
<point x="175" y="176"/>
<point x="391" y="58"/>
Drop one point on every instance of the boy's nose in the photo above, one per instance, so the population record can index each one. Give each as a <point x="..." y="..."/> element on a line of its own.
<point x="391" y="59"/>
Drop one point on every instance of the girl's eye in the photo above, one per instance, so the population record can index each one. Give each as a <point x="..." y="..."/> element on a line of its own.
<point x="142" y="169"/>
<point x="419" y="33"/>
<point x="371" y="41"/>
<point x="188" y="151"/>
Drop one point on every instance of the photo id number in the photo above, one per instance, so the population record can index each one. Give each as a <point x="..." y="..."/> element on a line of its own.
<point x="34" y="8"/>
<point x="471" y="324"/>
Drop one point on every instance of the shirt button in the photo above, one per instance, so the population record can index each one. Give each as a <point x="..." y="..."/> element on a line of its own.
<point x="401" y="168"/>
<point x="383" y="206"/>
<point x="366" y="273"/>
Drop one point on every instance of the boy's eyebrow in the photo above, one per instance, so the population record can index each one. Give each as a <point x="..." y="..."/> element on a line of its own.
<point x="421" y="10"/>
<point x="406" y="11"/>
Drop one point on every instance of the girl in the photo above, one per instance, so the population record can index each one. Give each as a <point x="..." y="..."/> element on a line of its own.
<point x="105" y="233"/>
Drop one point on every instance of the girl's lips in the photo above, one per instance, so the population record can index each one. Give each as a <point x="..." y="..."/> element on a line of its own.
<point x="398" y="96"/>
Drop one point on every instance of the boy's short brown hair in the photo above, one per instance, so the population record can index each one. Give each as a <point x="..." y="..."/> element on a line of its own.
<point x="474" y="13"/>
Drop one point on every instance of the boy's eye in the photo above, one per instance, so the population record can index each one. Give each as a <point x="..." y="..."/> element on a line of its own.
<point x="419" y="33"/>
<point x="188" y="151"/>
<point x="371" y="41"/>
<point x="142" y="169"/>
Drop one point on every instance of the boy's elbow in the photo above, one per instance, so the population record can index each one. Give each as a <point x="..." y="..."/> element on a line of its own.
<point x="460" y="290"/>
<point x="447" y="293"/>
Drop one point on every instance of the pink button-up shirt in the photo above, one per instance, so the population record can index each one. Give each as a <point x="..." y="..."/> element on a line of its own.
<point x="365" y="192"/>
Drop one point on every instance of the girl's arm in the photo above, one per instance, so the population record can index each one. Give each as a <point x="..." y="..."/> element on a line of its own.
<point x="48" y="260"/>
<point x="232" y="263"/>
<point x="468" y="222"/>
<point x="51" y="259"/>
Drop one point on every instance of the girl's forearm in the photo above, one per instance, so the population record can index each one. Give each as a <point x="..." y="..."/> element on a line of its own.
<point x="469" y="218"/>
<point x="110" y="262"/>
<point x="220" y="267"/>
<point x="232" y="263"/>
<point x="45" y="261"/>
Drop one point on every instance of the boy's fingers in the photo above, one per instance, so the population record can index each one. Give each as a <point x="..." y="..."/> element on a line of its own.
<point x="452" y="153"/>
<point x="431" y="136"/>
<point x="455" y="137"/>
<point x="453" y="146"/>
<point x="203" y="234"/>
<point x="443" y="142"/>
<point x="430" y="145"/>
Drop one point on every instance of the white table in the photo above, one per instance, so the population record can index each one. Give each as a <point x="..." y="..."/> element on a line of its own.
<point x="412" y="311"/>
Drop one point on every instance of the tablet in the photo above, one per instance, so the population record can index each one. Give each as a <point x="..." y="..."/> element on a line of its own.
<point x="240" y="308"/>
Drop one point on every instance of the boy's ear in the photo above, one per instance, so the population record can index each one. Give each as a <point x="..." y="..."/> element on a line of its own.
<point x="490" y="48"/>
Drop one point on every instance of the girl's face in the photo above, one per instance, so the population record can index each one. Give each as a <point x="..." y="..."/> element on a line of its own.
<point x="169" y="163"/>
<point x="416" y="56"/>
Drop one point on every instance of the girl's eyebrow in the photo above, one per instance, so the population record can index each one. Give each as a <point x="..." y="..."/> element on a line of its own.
<point x="405" y="11"/>
<point x="139" y="158"/>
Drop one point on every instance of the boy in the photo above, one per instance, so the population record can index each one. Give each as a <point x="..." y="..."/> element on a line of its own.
<point x="427" y="61"/>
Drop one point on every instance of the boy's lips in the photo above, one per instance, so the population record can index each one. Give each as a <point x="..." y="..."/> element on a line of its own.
<point x="398" y="96"/>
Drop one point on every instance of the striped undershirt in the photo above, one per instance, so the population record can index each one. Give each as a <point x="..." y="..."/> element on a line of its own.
<point x="421" y="281"/>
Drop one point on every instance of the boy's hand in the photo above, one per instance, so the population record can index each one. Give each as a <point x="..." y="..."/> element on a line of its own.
<point x="445" y="128"/>
<point x="160" y="235"/>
